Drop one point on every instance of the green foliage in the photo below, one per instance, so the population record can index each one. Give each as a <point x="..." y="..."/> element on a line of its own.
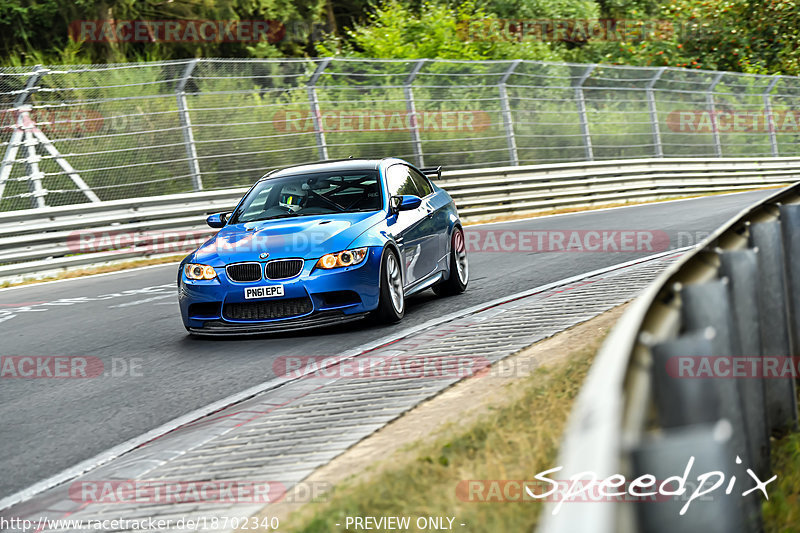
<point x="436" y="31"/>
<point x="540" y="9"/>
<point x="735" y="35"/>
<point x="38" y="32"/>
<point x="731" y="35"/>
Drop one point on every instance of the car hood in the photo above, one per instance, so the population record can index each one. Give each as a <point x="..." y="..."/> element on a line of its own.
<point x="309" y="237"/>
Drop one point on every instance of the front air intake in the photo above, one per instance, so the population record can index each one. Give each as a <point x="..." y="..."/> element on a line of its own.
<point x="268" y="310"/>
<point x="244" y="272"/>
<point x="283" y="268"/>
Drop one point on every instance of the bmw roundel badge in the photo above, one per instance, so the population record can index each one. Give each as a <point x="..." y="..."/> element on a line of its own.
<point x="264" y="255"/>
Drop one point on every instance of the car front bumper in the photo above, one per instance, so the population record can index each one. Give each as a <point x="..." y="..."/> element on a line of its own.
<point x="314" y="298"/>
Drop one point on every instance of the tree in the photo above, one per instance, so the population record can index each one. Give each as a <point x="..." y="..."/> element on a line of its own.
<point x="396" y="30"/>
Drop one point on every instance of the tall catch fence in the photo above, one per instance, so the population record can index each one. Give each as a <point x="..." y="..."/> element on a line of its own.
<point x="90" y="133"/>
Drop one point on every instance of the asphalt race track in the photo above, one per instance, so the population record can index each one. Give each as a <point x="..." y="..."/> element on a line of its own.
<point x="157" y="373"/>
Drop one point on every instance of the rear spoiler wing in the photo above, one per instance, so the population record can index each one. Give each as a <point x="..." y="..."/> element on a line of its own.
<point x="432" y="172"/>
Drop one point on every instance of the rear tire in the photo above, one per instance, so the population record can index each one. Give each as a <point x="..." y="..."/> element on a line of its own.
<point x="459" y="267"/>
<point x="392" y="303"/>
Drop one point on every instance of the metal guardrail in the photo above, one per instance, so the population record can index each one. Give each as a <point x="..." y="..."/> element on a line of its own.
<point x="727" y="311"/>
<point x="91" y="133"/>
<point x="77" y="235"/>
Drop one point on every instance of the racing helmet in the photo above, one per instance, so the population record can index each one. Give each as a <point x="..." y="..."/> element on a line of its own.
<point x="293" y="197"/>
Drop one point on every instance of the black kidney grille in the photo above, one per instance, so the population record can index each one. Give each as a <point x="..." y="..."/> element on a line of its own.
<point x="243" y="272"/>
<point x="268" y="310"/>
<point x="283" y="268"/>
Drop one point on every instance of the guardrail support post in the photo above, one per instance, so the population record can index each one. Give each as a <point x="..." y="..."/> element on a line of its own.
<point x="316" y="115"/>
<point x="584" y="120"/>
<point x="790" y="223"/>
<point x="708" y="304"/>
<point x="773" y="138"/>
<point x="186" y="126"/>
<point x="513" y="154"/>
<point x="651" y="106"/>
<point x="667" y="454"/>
<point x="411" y="111"/>
<point x="712" y="108"/>
<point x="774" y="321"/>
<point x="741" y="269"/>
<point x="683" y="402"/>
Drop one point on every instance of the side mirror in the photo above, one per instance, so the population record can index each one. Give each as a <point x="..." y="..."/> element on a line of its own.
<point x="406" y="202"/>
<point x="217" y="220"/>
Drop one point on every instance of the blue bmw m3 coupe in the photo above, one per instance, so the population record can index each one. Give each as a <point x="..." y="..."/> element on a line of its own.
<point x="321" y="244"/>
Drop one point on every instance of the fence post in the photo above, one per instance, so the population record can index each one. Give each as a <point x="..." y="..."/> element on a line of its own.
<point x="773" y="139"/>
<point x="651" y="105"/>
<point x="513" y="154"/>
<point x="581" y="102"/>
<point x="17" y="136"/>
<point x="712" y="108"/>
<point x="186" y="126"/>
<point x="313" y="102"/>
<point x="411" y="110"/>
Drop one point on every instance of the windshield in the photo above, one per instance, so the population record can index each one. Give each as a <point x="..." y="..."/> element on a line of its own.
<point x="311" y="194"/>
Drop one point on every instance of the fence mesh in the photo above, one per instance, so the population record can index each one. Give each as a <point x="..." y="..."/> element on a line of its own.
<point x="73" y="134"/>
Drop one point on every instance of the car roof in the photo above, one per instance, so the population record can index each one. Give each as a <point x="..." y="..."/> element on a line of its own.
<point x="327" y="166"/>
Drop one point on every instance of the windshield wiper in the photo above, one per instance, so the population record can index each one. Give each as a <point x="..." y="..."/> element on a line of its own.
<point x="275" y="217"/>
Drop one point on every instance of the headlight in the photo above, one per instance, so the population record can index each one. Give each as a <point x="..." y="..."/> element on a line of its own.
<point x="195" y="271"/>
<point x="343" y="259"/>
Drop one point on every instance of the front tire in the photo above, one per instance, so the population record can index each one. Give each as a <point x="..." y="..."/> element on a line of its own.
<point x="459" y="267"/>
<point x="392" y="303"/>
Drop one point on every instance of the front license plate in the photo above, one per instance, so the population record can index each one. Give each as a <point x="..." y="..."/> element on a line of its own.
<point x="271" y="291"/>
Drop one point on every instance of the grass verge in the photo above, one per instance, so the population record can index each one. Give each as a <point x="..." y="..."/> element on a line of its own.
<point x="782" y="510"/>
<point x="512" y="440"/>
